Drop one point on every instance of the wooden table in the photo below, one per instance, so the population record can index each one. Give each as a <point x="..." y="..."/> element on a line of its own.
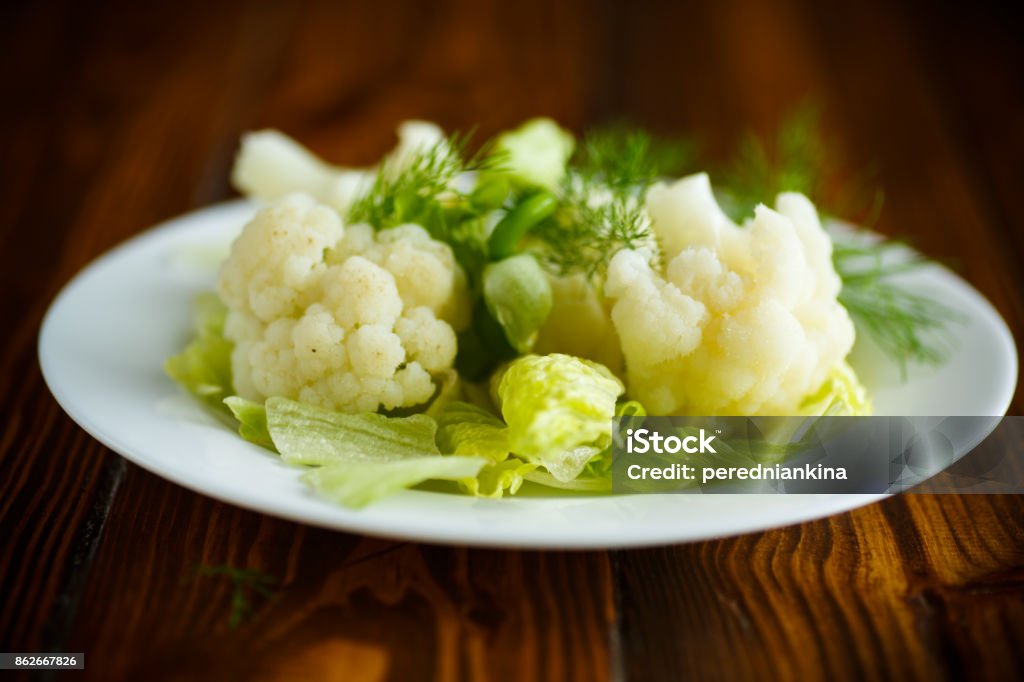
<point x="118" y="116"/>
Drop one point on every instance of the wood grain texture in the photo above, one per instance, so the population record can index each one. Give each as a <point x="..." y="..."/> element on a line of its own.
<point x="125" y="114"/>
<point x="402" y="611"/>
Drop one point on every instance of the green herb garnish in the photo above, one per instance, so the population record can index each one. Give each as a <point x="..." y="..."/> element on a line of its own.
<point x="626" y="159"/>
<point x="246" y="585"/>
<point x="798" y="157"/>
<point x="584" y="236"/>
<point x="906" y="325"/>
<point x="603" y="198"/>
<point x="791" y="160"/>
<point x="416" y="193"/>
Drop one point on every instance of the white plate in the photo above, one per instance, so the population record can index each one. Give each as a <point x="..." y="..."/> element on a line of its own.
<point x="105" y="338"/>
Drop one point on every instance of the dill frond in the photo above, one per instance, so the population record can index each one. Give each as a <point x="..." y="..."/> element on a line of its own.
<point x="415" y="192"/>
<point x="907" y="326"/>
<point x="585" y="234"/>
<point x="794" y="159"/>
<point x="603" y="197"/>
<point x="627" y="159"/>
<point x="246" y="585"/>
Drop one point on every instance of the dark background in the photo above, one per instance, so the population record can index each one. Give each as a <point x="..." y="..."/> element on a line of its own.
<point x="118" y="115"/>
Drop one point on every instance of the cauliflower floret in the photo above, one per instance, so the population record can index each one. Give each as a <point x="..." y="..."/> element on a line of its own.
<point x="428" y="340"/>
<point x="423" y="270"/>
<point x="742" y="321"/>
<point x="579" y="324"/>
<point x="277" y="259"/>
<point x="344" y="318"/>
<point x="358" y="292"/>
<point x="270" y="165"/>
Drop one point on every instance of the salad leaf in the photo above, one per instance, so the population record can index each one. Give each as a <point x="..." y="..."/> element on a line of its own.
<point x="203" y="368"/>
<point x="518" y="295"/>
<point x="357" y="484"/>
<point x="252" y="420"/>
<point x="582" y="484"/>
<point x="496" y="479"/>
<point x="470" y="431"/>
<point x="596" y="476"/>
<point x="559" y="410"/>
<point x="842" y="394"/>
<point x="309" y="435"/>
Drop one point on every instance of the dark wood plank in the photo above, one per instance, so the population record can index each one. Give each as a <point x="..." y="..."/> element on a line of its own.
<point x="346" y="607"/>
<point x="96" y="161"/>
<point x="916" y="587"/>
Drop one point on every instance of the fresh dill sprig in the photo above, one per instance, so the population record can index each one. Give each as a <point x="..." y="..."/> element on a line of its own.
<point x="586" y="233"/>
<point x="798" y="157"/>
<point x="906" y="325"/>
<point x="794" y="159"/>
<point x="602" y="197"/>
<point x="627" y="159"/>
<point x="414" y="192"/>
<point x="246" y="585"/>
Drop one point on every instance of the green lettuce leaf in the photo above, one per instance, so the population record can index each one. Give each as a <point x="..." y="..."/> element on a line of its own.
<point x="582" y="484"/>
<point x="357" y="484"/>
<point x="842" y="394"/>
<point x="252" y="420"/>
<point x="496" y="479"/>
<point x="203" y="368"/>
<point x="596" y="476"/>
<point x="469" y="431"/>
<point x="314" y="436"/>
<point x="559" y="410"/>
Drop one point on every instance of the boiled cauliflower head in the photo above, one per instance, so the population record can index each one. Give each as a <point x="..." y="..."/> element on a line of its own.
<point x="739" y="320"/>
<point x="270" y="165"/>
<point x="346" y="318"/>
